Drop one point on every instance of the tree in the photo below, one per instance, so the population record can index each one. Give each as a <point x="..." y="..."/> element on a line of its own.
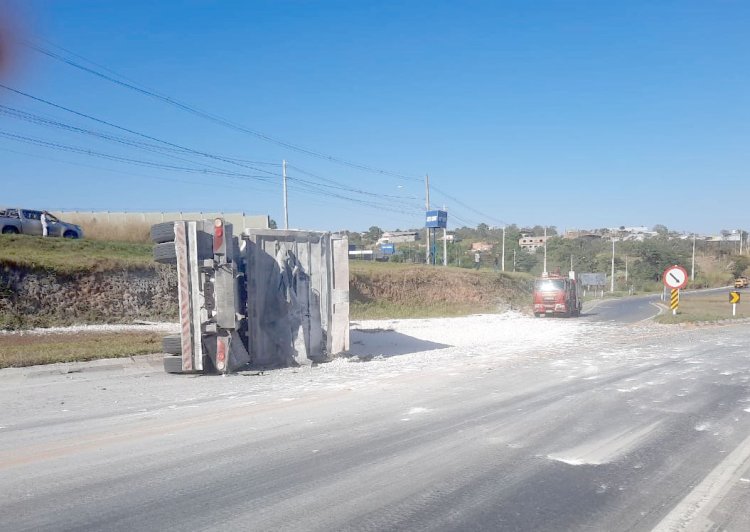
<point x="660" y="230"/>
<point x="525" y="261"/>
<point x="741" y="262"/>
<point x="355" y="238"/>
<point x="373" y="234"/>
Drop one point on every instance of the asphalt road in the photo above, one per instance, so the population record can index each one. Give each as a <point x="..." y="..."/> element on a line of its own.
<point x="623" y="310"/>
<point x="628" y="427"/>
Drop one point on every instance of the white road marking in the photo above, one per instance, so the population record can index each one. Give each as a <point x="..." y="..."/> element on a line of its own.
<point x="692" y="512"/>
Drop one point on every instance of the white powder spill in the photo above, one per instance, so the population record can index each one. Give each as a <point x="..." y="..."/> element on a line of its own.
<point x="165" y="327"/>
<point x="604" y="450"/>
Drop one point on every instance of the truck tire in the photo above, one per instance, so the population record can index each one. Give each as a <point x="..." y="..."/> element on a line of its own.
<point x="10" y="230"/>
<point x="172" y="344"/>
<point x="165" y="253"/>
<point x="163" y="232"/>
<point x="173" y="364"/>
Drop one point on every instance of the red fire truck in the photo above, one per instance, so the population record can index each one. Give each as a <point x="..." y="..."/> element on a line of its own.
<point x="557" y="296"/>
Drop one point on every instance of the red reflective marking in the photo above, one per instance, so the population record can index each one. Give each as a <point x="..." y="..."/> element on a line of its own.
<point x="218" y="237"/>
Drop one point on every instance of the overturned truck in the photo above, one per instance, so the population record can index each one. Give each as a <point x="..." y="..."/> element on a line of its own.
<point x="262" y="299"/>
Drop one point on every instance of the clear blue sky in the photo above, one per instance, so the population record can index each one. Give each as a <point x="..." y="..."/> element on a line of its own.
<point x="567" y="113"/>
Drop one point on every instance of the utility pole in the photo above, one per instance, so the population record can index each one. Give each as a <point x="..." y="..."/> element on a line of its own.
<point x="544" y="270"/>
<point x="445" y="246"/>
<point x="692" y="267"/>
<point x="503" y="268"/>
<point x="427" y="208"/>
<point x="286" y="211"/>
<point x="612" y="280"/>
<point x="514" y="259"/>
<point x="626" y="271"/>
<point x="740" y="241"/>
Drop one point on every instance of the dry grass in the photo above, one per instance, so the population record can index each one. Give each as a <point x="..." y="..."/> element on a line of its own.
<point x="125" y="232"/>
<point x="17" y="350"/>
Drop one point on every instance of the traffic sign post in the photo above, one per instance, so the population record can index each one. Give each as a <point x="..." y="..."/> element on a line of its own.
<point x="674" y="278"/>
<point x="734" y="298"/>
<point x="674" y="300"/>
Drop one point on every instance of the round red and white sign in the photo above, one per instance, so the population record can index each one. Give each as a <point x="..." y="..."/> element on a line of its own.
<point x="675" y="277"/>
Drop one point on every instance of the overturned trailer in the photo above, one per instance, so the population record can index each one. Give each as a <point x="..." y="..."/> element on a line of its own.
<point x="264" y="298"/>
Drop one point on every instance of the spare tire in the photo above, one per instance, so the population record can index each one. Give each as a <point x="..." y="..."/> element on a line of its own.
<point x="163" y="232"/>
<point x="172" y="344"/>
<point x="165" y="253"/>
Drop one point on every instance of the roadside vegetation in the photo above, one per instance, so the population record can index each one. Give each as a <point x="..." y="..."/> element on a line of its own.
<point x="64" y="256"/>
<point x="638" y="265"/>
<point x="392" y="290"/>
<point x="707" y="307"/>
<point x="403" y="287"/>
<point x="19" y="350"/>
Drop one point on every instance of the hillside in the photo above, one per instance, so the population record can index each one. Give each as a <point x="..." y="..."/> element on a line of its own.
<point x="385" y="290"/>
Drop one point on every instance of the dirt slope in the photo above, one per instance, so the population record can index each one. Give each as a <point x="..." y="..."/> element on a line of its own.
<point x="417" y="291"/>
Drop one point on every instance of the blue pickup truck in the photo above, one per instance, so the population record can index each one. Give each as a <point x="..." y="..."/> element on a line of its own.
<point x="28" y="222"/>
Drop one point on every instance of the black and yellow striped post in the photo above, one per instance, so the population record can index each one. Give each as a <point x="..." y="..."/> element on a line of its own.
<point x="674" y="300"/>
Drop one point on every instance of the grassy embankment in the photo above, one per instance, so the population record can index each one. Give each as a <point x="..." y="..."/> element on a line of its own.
<point x="65" y="257"/>
<point x="392" y="290"/>
<point x="707" y="307"/>
<point x="17" y="350"/>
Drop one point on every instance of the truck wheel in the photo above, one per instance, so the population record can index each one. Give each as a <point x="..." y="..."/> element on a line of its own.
<point x="163" y="232"/>
<point x="173" y="364"/>
<point x="165" y="253"/>
<point x="172" y="344"/>
<point x="10" y="230"/>
<point x="70" y="234"/>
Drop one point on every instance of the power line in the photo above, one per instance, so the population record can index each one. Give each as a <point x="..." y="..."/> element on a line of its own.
<point x="470" y="208"/>
<point x="215" y="118"/>
<point x="131" y="131"/>
<point x="152" y="148"/>
<point x="132" y="85"/>
<point x="146" y="146"/>
<point x="102" y="168"/>
<point x="36" y="119"/>
<point x="152" y="164"/>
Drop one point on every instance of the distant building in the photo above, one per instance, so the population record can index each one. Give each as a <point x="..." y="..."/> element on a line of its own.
<point x="481" y="246"/>
<point x="586" y="235"/>
<point x="531" y="243"/>
<point x="394" y="237"/>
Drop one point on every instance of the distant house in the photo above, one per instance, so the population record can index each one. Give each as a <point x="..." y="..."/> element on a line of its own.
<point x="586" y="235"/>
<point x="481" y="246"/>
<point x="395" y="237"/>
<point x="531" y="243"/>
<point x="734" y="237"/>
